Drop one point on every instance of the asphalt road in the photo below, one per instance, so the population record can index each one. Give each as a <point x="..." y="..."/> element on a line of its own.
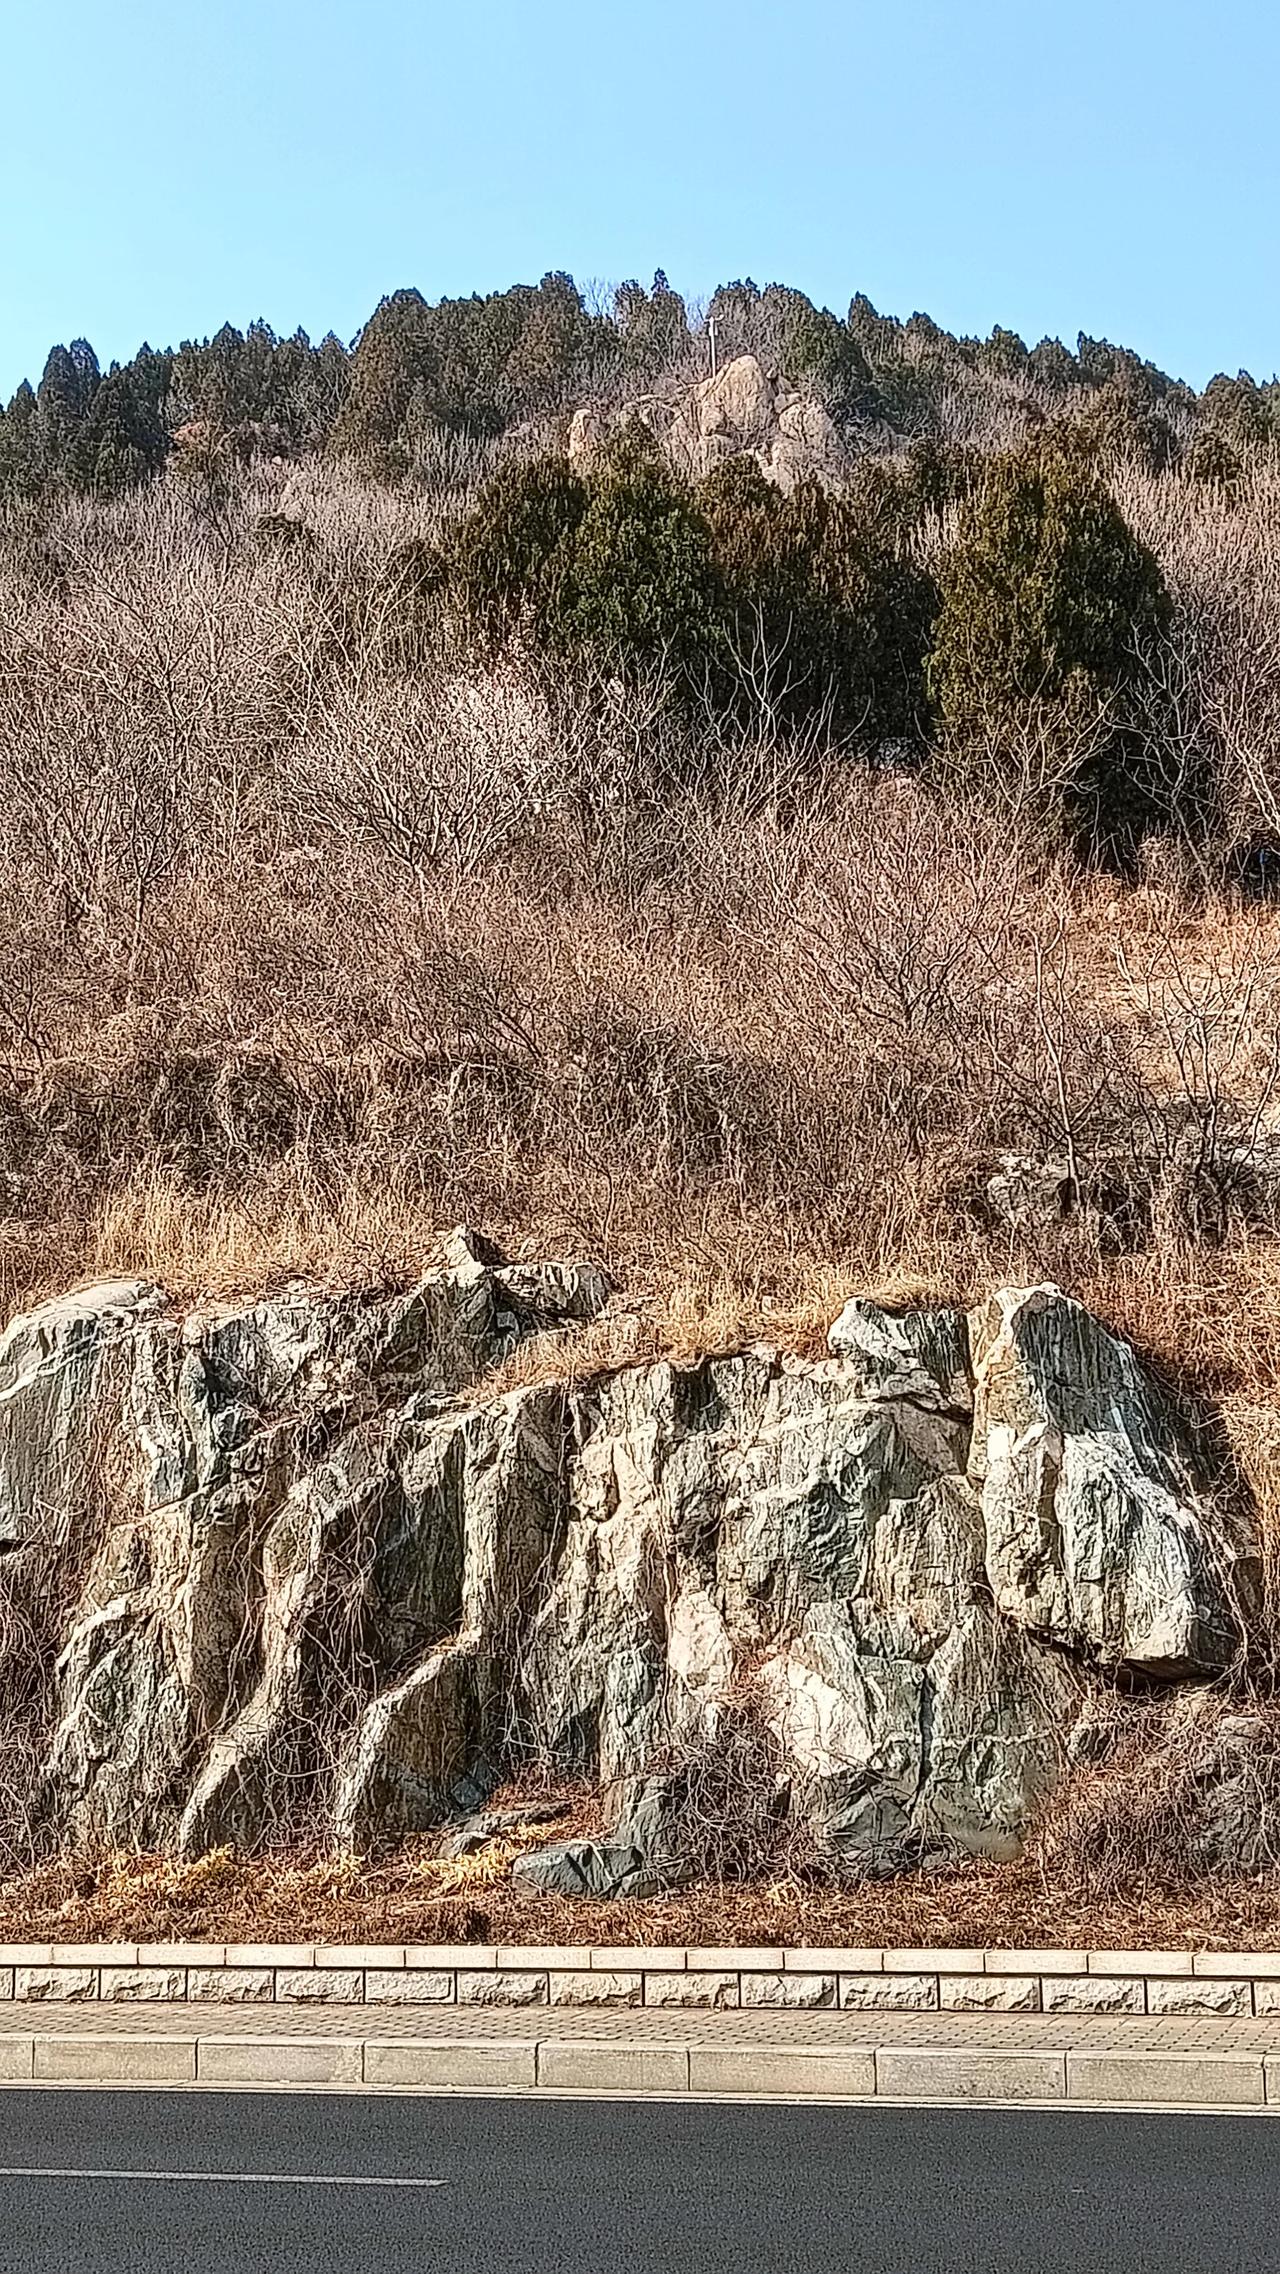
<point x="615" y="2187"/>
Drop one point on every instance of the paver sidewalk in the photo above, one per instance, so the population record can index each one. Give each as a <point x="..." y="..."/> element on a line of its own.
<point x="1136" y="2060"/>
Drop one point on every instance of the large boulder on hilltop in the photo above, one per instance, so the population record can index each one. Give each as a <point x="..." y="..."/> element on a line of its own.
<point x="1099" y="1536"/>
<point x="738" y="401"/>
<point x="742" y="408"/>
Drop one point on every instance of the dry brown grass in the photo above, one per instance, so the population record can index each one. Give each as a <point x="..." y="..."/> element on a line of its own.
<point x="309" y="1895"/>
<point x="312" y="945"/>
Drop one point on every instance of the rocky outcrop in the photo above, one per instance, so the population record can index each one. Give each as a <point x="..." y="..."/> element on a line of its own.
<point x="740" y="410"/>
<point x="743" y="408"/>
<point x="1097" y="1537"/>
<point x="340" y="1586"/>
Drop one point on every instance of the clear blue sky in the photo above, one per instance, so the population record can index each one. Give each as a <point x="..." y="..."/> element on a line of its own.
<point x="1111" y="165"/>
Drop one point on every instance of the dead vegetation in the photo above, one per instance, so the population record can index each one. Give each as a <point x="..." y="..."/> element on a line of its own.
<point x="310" y="947"/>
<point x="305" y="1895"/>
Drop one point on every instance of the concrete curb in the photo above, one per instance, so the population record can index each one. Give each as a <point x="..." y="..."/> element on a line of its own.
<point x="581" y="2065"/>
<point x="1159" y="1983"/>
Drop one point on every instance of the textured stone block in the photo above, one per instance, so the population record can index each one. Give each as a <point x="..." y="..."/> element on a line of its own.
<point x="488" y="2063"/>
<point x="1144" y="1962"/>
<point x="1168" y="2080"/>
<point x="119" y="1983"/>
<point x="833" y="1961"/>
<point x="449" y="1956"/>
<point x="595" y="1988"/>
<point x="636" y="1958"/>
<point x="1200" y="1997"/>
<point x="6" y="1984"/>
<point x="1093" y="1993"/>
<point x="409" y="1986"/>
<point x="813" y="2072"/>
<point x="788" y="1989"/>
<point x="1034" y="1962"/>
<point x="933" y="1961"/>
<point x="518" y="1958"/>
<point x="989" y="1993"/>
<point x="577" y="2065"/>
<point x="938" y="2073"/>
<point x="497" y="1989"/>
<point x="328" y="1985"/>
<point x="39" y="1983"/>
<point x="280" y="2060"/>
<point x="702" y="1989"/>
<point x="115" y="2060"/>
<point x="747" y="1961"/>
<point x="231" y="1985"/>
<point x="894" y="1993"/>
<point x="273" y="1954"/>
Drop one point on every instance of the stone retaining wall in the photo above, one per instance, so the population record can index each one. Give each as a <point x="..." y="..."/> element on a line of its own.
<point x="902" y="1981"/>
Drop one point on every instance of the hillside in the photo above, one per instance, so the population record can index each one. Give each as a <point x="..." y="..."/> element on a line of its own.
<point x="481" y="369"/>
<point x="774" y="814"/>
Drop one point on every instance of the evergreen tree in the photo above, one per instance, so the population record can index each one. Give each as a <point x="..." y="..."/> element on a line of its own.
<point x="644" y="584"/>
<point x="123" y="439"/>
<point x="21" y="470"/>
<point x="67" y="387"/>
<point x="826" y="617"/>
<point x="1005" y="354"/>
<point x="1047" y="602"/>
<point x="510" y="561"/>
<point x="1051" y="364"/>
<point x="1238" y="410"/>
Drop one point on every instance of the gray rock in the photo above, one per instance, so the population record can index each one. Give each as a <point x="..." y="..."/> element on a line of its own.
<point x="480" y="1831"/>
<point x="586" y="1867"/>
<point x="63" y="1371"/>
<point x="1098" y="1535"/>
<point x="342" y="1589"/>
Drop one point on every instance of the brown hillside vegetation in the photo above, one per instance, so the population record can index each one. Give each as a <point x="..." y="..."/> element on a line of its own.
<point x="311" y="946"/>
<point x="308" y="951"/>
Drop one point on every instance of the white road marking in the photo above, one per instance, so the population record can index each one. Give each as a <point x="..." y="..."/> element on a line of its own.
<point x="226" y="2178"/>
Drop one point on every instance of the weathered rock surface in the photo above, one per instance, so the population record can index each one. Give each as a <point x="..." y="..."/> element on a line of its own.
<point x="744" y="409"/>
<point x="63" y="1372"/>
<point x="740" y="410"/>
<point x="341" y="1588"/>
<point x="1097" y="1535"/>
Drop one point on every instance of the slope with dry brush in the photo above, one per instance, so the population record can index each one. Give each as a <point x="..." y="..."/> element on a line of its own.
<point x="309" y="946"/>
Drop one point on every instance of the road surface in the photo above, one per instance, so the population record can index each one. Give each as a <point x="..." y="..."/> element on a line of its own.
<point x="209" y="2183"/>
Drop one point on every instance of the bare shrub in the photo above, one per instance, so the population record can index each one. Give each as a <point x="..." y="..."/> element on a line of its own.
<point x="1177" y="1792"/>
<point x="729" y="1814"/>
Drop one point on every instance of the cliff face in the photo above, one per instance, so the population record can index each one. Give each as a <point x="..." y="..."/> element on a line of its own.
<point x="303" y="1573"/>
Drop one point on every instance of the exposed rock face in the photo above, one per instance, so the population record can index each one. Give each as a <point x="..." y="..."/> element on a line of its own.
<point x="744" y="408"/>
<point x="64" y="1369"/>
<point x="741" y="410"/>
<point x="1096" y="1535"/>
<point x="341" y="1588"/>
